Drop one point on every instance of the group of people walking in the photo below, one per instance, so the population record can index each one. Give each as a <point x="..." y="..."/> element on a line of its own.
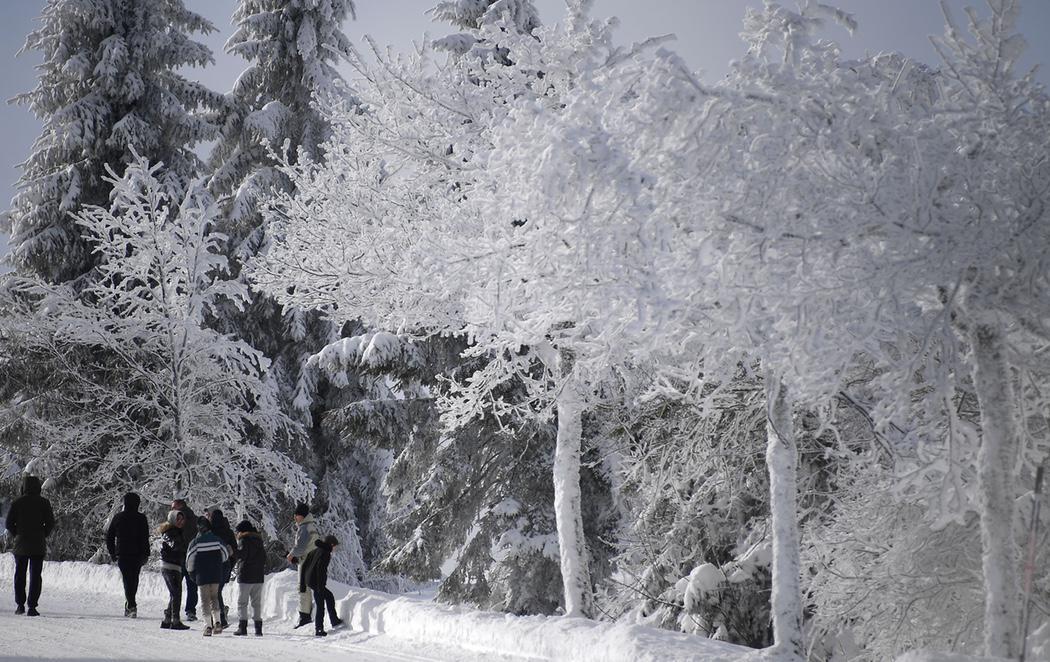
<point x="202" y="553"/>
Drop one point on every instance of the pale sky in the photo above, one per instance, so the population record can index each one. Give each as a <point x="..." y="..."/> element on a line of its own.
<point x="706" y="31"/>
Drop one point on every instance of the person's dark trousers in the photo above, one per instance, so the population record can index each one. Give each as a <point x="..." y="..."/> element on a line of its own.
<point x="129" y="573"/>
<point x="173" y="580"/>
<point x="321" y="600"/>
<point x="35" y="565"/>
<point x="191" y="593"/>
<point x="227" y="571"/>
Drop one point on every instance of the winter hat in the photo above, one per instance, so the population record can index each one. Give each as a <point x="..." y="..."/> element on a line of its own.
<point x="244" y="526"/>
<point x="173" y="517"/>
<point x="302" y="510"/>
<point x="31" y="485"/>
<point x="203" y="524"/>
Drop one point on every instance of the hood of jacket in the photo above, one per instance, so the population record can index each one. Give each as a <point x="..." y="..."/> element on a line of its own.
<point x="247" y="534"/>
<point x="132" y="502"/>
<point x="31" y="485"/>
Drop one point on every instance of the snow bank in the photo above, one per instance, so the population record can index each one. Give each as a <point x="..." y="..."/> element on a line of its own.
<point x="532" y="637"/>
<point x="934" y="656"/>
<point x="88" y="578"/>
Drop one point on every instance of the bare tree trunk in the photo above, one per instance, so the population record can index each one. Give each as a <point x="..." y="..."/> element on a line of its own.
<point x="781" y="461"/>
<point x="995" y="462"/>
<point x="568" y="515"/>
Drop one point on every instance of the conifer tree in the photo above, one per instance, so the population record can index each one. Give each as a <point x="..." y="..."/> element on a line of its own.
<point x="292" y="47"/>
<point x="109" y="84"/>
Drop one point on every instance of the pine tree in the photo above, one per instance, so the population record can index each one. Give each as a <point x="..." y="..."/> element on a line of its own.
<point x="292" y="48"/>
<point x="109" y="84"/>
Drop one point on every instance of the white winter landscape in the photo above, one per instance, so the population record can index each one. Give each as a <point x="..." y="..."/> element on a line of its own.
<point x="525" y="330"/>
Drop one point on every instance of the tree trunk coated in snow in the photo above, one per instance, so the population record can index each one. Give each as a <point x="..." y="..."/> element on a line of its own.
<point x="781" y="460"/>
<point x="568" y="515"/>
<point x="995" y="461"/>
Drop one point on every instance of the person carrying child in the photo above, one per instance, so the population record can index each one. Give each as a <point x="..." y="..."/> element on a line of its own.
<point x="251" y="568"/>
<point x="204" y="563"/>
<point x="316" y="577"/>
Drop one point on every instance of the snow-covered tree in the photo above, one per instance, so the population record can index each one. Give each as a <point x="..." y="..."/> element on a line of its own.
<point x="292" y="48"/>
<point x="109" y="84"/>
<point x="471" y="506"/>
<point x="143" y="396"/>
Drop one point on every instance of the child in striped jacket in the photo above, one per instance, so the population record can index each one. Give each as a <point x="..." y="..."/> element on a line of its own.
<point x="204" y="562"/>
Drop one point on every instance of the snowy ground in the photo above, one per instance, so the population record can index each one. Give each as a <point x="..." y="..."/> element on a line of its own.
<point x="88" y="627"/>
<point x="82" y="603"/>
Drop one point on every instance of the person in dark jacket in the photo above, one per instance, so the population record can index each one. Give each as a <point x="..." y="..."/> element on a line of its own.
<point x="29" y="521"/>
<point x="251" y="569"/>
<point x="220" y="526"/>
<point x="172" y="560"/>
<point x="127" y="539"/>
<point x="316" y="574"/>
<point x="205" y="562"/>
<point x="189" y="533"/>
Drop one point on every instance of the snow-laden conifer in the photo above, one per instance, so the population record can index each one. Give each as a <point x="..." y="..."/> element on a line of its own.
<point x="292" y="48"/>
<point x="109" y="84"/>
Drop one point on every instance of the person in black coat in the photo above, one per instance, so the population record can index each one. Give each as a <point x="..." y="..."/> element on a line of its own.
<point x="172" y="566"/>
<point x="220" y="526"/>
<point x="251" y="571"/>
<point x="189" y="532"/>
<point x="316" y="578"/>
<point x="127" y="539"/>
<point x="29" y="521"/>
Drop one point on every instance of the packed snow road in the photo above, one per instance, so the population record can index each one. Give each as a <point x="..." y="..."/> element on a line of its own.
<point x="82" y="606"/>
<point x="88" y="626"/>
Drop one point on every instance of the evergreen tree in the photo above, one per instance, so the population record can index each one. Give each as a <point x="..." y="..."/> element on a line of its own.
<point x="292" y="47"/>
<point x="109" y="84"/>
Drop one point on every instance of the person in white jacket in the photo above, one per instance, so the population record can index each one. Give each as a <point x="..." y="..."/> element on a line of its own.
<point x="304" y="545"/>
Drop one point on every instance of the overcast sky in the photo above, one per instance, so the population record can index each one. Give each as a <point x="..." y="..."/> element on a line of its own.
<point x="706" y="31"/>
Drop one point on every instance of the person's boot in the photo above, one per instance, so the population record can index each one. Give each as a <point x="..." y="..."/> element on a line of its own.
<point x="258" y="628"/>
<point x="133" y="612"/>
<point x="222" y="618"/>
<point x="166" y="623"/>
<point x="191" y="616"/>
<point x="242" y="629"/>
<point x="32" y="612"/>
<point x="320" y="633"/>
<point x="19" y="610"/>
<point x="179" y="625"/>
<point x="304" y="619"/>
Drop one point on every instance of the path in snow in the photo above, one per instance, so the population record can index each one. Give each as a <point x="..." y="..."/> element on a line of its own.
<point x="89" y="627"/>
